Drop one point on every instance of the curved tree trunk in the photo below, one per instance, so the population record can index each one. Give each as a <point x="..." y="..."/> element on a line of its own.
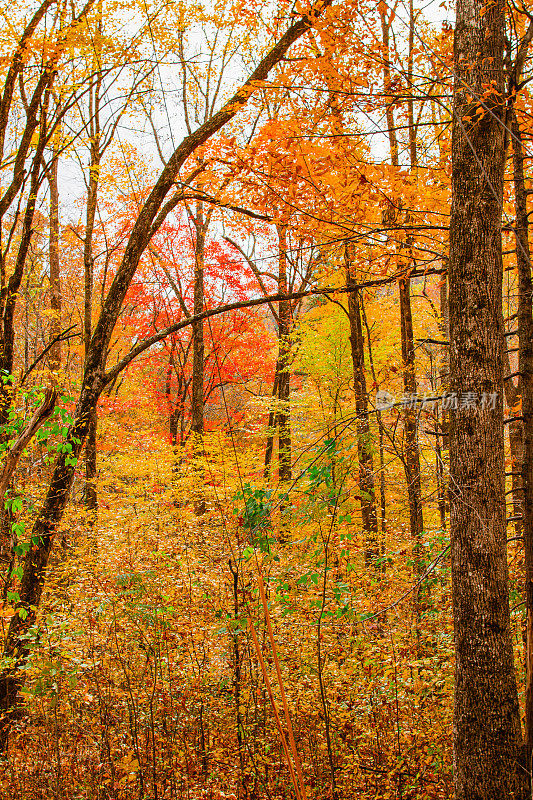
<point x="148" y="221"/>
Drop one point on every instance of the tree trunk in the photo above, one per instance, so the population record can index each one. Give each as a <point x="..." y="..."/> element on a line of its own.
<point x="55" y="277"/>
<point x="91" y="467"/>
<point x="173" y="407"/>
<point x="271" y="428"/>
<point x="441" y="484"/>
<point x="441" y="426"/>
<point x="237" y="671"/>
<point x="198" y="360"/>
<point x="411" y="449"/>
<point x="284" y="358"/>
<point x="387" y="84"/>
<point x="11" y="293"/>
<point x="381" y="451"/>
<point x="364" y="438"/>
<point x="413" y="156"/>
<point x="525" y="388"/>
<point x="198" y="353"/>
<point x="487" y="736"/>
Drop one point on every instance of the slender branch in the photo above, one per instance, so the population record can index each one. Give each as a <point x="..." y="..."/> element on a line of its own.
<point x="14" y="454"/>
<point x="140" y="347"/>
<point x="61" y="337"/>
<point x="253" y="266"/>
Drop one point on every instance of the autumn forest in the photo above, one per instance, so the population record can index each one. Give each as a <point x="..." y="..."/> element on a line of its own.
<point x="266" y="400"/>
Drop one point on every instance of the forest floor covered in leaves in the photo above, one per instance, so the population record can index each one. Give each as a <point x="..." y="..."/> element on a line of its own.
<point x="145" y="681"/>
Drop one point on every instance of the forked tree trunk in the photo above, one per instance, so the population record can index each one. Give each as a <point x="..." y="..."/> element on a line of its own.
<point x="33" y="137"/>
<point x="487" y="735"/>
<point x="10" y="291"/>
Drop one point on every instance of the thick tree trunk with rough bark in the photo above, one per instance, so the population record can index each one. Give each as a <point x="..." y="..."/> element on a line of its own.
<point x="487" y="736"/>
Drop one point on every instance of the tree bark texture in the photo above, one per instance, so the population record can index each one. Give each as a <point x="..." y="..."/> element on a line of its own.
<point x="487" y="735"/>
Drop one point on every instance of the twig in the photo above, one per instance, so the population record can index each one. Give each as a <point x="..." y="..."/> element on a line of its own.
<point x="61" y="337"/>
<point x="274" y="707"/>
<point x="413" y="587"/>
<point x="280" y="682"/>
